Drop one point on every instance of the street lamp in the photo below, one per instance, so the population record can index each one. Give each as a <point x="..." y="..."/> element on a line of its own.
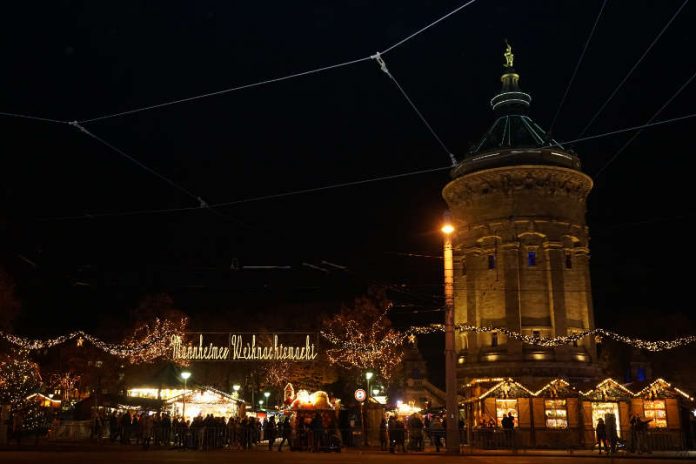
<point x="260" y="404"/>
<point x="450" y="360"/>
<point x="368" y="376"/>
<point x="375" y="392"/>
<point x="184" y="375"/>
<point x="267" y="394"/>
<point x="236" y="388"/>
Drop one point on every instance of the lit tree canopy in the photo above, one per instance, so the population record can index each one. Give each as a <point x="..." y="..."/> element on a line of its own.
<point x="361" y="337"/>
<point x="19" y="377"/>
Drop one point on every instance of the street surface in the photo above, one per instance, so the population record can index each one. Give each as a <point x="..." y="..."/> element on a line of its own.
<point x="118" y="456"/>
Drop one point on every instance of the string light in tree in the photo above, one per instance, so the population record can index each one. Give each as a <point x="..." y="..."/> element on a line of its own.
<point x="149" y="341"/>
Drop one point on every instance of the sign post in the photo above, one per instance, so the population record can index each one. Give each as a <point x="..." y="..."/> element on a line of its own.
<point x="361" y="395"/>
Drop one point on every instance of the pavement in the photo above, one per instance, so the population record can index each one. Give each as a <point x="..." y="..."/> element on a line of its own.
<point x="76" y="453"/>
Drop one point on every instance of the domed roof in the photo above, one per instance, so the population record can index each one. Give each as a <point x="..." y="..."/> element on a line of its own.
<point x="514" y="138"/>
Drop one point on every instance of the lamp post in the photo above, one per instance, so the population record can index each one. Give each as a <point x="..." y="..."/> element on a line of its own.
<point x="260" y="404"/>
<point x="235" y="389"/>
<point x="268" y="403"/>
<point x="184" y="375"/>
<point x="368" y="376"/>
<point x="450" y="361"/>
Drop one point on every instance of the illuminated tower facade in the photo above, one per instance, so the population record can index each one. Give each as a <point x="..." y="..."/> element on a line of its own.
<point x="521" y="249"/>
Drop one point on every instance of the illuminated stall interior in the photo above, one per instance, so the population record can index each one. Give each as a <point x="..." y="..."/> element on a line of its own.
<point x="203" y="401"/>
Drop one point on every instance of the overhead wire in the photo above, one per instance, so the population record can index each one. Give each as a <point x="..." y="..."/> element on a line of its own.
<point x="383" y="66"/>
<point x="262" y="197"/>
<point x="640" y="131"/>
<point x="202" y="203"/>
<point x="348" y="184"/>
<point x="577" y="66"/>
<point x="277" y="79"/>
<point x="34" y="118"/>
<point x="637" y="63"/>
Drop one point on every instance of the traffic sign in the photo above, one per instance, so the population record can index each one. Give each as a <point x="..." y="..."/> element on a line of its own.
<point x="360" y="395"/>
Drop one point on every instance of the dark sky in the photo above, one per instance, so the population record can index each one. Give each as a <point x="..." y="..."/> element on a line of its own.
<point x="73" y="60"/>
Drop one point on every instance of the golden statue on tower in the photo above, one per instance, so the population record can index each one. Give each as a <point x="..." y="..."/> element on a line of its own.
<point x="509" y="57"/>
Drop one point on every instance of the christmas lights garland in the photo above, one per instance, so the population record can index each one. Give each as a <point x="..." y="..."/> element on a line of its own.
<point x="148" y="342"/>
<point x="649" y="345"/>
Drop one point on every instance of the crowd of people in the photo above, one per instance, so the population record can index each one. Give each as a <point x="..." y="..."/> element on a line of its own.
<point x="607" y="435"/>
<point x="410" y="433"/>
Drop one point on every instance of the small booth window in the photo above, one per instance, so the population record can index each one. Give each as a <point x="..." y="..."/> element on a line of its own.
<point x="491" y="261"/>
<point x="503" y="408"/>
<point x="656" y="411"/>
<point x="556" y="414"/>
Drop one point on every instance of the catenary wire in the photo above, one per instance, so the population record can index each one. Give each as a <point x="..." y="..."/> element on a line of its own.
<point x="383" y="67"/>
<point x="577" y="66"/>
<point x="630" y="72"/>
<point x="348" y="184"/>
<point x="637" y="133"/>
<point x="202" y="204"/>
<point x="34" y="118"/>
<point x="277" y="79"/>
<point x="262" y="197"/>
<point x="402" y="41"/>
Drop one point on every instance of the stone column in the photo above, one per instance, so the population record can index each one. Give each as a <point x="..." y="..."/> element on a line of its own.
<point x="511" y="275"/>
<point x="555" y="257"/>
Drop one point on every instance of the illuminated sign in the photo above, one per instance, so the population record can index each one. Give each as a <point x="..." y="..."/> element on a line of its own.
<point x="244" y="347"/>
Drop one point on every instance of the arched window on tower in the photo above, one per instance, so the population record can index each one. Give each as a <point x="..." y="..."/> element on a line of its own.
<point x="568" y="260"/>
<point x="463" y="266"/>
<point x="491" y="261"/>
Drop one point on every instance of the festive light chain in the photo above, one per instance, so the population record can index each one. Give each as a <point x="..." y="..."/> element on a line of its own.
<point x="549" y="342"/>
<point x="148" y="342"/>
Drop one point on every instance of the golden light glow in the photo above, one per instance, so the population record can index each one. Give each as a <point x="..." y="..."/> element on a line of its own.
<point x="447" y="229"/>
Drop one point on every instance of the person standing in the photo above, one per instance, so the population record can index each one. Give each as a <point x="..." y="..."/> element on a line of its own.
<point x="285" y="432"/>
<point x="508" y="424"/>
<point x="317" y="429"/>
<point x="383" y="436"/>
<point x="612" y="435"/>
<point x="270" y="432"/>
<point x="601" y="432"/>
<point x="436" y="432"/>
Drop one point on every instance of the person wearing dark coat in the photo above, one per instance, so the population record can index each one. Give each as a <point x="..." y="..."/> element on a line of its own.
<point x="601" y="432"/>
<point x="270" y="432"/>
<point x="285" y="431"/>
<point x="317" y="429"/>
<point x="383" y="435"/>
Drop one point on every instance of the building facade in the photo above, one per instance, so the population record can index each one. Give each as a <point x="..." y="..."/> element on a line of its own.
<point x="521" y="248"/>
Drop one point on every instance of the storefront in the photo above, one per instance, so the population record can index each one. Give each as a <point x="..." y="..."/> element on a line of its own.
<point x="203" y="401"/>
<point x="559" y="416"/>
<point x="666" y="408"/>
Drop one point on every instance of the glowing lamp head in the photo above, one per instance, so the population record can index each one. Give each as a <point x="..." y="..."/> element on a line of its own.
<point x="260" y="403"/>
<point x="375" y="391"/>
<point x="236" y="387"/>
<point x="368" y="375"/>
<point x="266" y="394"/>
<point x="185" y="375"/>
<point x="447" y="229"/>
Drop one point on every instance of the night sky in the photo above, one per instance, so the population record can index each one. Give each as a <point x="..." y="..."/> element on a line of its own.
<point x="71" y="60"/>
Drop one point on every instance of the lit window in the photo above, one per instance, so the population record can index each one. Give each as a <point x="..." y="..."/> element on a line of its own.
<point x="568" y="261"/>
<point x="604" y="409"/>
<point x="655" y="410"/>
<point x="503" y="408"/>
<point x="494" y="338"/>
<point x="531" y="258"/>
<point x="491" y="261"/>
<point x="556" y="414"/>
